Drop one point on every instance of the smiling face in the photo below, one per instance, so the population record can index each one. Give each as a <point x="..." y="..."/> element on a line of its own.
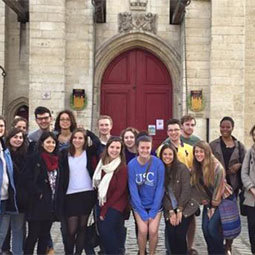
<point x="64" y="121"/>
<point x="188" y="127"/>
<point x="226" y="128"/>
<point x="167" y="156"/>
<point x="174" y="132"/>
<point x="199" y="154"/>
<point x="144" y="149"/>
<point x="49" y="144"/>
<point x="114" y="150"/>
<point x="78" y="140"/>
<point x="104" y="127"/>
<point x="129" y="139"/>
<point x="16" y="141"/>
<point x="43" y="121"/>
<point x="22" y="125"/>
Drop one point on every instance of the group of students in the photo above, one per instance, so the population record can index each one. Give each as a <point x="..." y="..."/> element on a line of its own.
<point x="66" y="174"/>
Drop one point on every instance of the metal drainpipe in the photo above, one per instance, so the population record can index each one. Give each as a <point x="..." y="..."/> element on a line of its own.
<point x="94" y="59"/>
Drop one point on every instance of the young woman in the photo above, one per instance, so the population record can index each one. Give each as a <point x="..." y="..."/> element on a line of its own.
<point x="208" y="176"/>
<point x="8" y="204"/>
<point x="80" y="196"/>
<point x="15" y="142"/>
<point x="64" y="126"/>
<point x="42" y="179"/>
<point x="146" y="186"/>
<point x="128" y="136"/>
<point x="230" y="152"/>
<point x="177" y="203"/>
<point x="248" y="179"/>
<point x="110" y="179"/>
<point x="20" y="123"/>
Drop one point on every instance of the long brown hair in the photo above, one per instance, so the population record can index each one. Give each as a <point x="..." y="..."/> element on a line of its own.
<point x="170" y="171"/>
<point x="72" y="148"/>
<point x="205" y="169"/>
<point x="105" y="155"/>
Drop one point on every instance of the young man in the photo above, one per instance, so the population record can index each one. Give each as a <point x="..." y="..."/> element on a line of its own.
<point x="188" y="123"/>
<point x="184" y="150"/>
<point x="43" y="119"/>
<point x="104" y="128"/>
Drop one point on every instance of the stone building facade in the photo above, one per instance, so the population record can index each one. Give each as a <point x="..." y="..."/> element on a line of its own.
<point x="62" y="48"/>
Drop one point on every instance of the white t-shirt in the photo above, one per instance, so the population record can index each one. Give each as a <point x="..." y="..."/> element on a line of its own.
<point x="79" y="178"/>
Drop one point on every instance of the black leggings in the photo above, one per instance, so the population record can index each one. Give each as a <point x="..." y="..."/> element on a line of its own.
<point x="37" y="231"/>
<point x="76" y="226"/>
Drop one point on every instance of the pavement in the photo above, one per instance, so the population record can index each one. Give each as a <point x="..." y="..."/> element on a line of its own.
<point x="241" y="244"/>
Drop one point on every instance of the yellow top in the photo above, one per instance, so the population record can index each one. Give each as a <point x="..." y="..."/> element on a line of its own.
<point x="184" y="153"/>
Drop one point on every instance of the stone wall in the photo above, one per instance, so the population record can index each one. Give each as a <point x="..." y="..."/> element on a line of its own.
<point x="79" y="62"/>
<point x="17" y="59"/>
<point x="249" y="91"/>
<point x="227" y="64"/>
<point x="47" y="55"/>
<point x="197" y="55"/>
<point x="2" y="50"/>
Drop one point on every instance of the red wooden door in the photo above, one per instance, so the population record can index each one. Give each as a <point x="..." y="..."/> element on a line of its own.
<point x="136" y="90"/>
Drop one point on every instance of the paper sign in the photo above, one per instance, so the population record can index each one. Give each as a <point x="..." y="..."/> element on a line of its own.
<point x="152" y="129"/>
<point x="160" y="124"/>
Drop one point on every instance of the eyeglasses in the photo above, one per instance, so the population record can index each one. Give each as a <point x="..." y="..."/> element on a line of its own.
<point x="42" y="118"/>
<point x="65" y="120"/>
<point x="173" y="130"/>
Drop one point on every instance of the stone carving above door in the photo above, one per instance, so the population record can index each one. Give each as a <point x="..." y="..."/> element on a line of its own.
<point x="146" y="22"/>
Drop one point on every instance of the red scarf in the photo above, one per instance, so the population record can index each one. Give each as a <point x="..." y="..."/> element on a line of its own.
<point x="50" y="160"/>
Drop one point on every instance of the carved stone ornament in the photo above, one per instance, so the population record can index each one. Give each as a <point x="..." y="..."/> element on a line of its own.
<point x="137" y="22"/>
<point x="138" y="5"/>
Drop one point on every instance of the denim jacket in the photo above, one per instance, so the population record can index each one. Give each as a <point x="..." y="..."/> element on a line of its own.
<point x="11" y="205"/>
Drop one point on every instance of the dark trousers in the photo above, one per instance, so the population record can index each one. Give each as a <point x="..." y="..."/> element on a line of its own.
<point x="111" y="232"/>
<point x="251" y="226"/>
<point x="177" y="236"/>
<point x="37" y="230"/>
<point x="213" y="233"/>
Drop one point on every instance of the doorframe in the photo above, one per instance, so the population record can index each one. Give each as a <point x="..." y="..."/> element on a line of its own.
<point x="124" y="42"/>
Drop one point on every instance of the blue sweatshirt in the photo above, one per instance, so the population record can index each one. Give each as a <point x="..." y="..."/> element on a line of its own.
<point x="146" y="192"/>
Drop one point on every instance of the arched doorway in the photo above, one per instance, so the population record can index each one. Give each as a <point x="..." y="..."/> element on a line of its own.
<point x="22" y="111"/>
<point x="136" y="91"/>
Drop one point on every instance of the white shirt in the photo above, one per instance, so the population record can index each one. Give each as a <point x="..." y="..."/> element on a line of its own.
<point x="79" y="178"/>
<point x="5" y="183"/>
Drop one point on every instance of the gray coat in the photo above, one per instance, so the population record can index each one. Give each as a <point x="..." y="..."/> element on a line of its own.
<point x="236" y="157"/>
<point x="248" y="176"/>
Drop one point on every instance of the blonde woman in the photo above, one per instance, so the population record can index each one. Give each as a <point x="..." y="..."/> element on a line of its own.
<point x="208" y="176"/>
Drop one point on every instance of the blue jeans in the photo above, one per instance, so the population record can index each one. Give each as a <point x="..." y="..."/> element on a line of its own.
<point x="17" y="228"/>
<point x="213" y="233"/>
<point x="111" y="232"/>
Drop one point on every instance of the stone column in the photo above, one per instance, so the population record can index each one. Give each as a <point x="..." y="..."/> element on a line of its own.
<point x="80" y="55"/>
<point x="2" y="51"/>
<point x="227" y="64"/>
<point x="197" y="28"/>
<point x="47" y="55"/>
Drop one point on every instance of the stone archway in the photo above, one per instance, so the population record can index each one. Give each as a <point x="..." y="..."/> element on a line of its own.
<point x="123" y="42"/>
<point x="13" y="107"/>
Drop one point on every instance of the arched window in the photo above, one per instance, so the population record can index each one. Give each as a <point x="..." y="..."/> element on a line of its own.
<point x="22" y="111"/>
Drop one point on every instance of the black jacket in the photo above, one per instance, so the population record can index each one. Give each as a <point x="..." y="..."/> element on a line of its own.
<point x="42" y="205"/>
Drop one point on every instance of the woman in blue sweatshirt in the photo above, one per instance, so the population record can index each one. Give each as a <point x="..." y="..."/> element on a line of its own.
<point x="146" y="186"/>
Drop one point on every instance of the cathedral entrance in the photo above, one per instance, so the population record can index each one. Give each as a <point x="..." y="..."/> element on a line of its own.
<point x="136" y="91"/>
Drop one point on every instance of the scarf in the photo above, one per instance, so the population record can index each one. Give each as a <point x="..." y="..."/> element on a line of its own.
<point x="50" y="160"/>
<point x="102" y="184"/>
